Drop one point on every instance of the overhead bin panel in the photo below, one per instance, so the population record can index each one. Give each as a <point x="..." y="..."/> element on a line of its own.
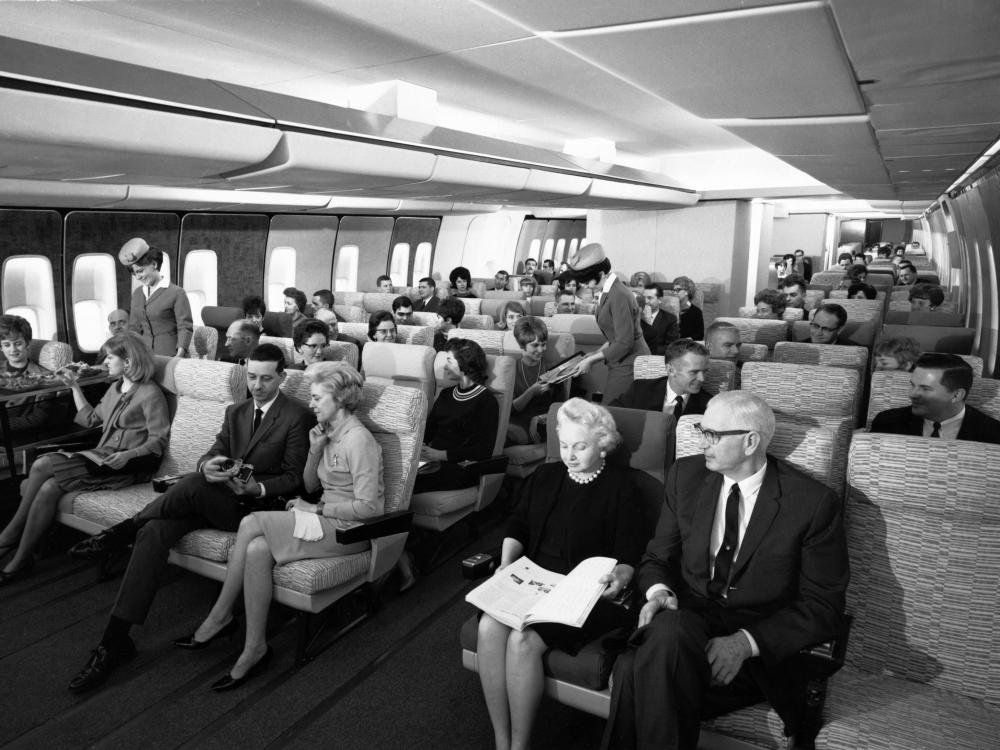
<point x="194" y="199"/>
<point x="463" y="178"/>
<point x="346" y="204"/>
<point x="546" y="186"/>
<point x="54" y="193"/>
<point x="610" y="194"/>
<point x="318" y="164"/>
<point x="43" y="136"/>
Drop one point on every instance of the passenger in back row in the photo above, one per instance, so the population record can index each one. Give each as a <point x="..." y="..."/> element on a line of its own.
<point x="770" y="304"/>
<point x="449" y="314"/>
<point x="723" y="340"/>
<point x="136" y="426"/>
<point x="384" y="284"/>
<point x="794" y="288"/>
<point x="242" y="337"/>
<point x="295" y="304"/>
<point x="254" y="310"/>
<point x="402" y="310"/>
<point x="925" y="297"/>
<point x="429" y="301"/>
<point x="692" y="322"/>
<point x="269" y="431"/>
<point x="680" y="392"/>
<point x="827" y="323"/>
<point x="461" y="282"/>
<point x="659" y="326"/>
<point x="160" y="312"/>
<point x="939" y="386"/>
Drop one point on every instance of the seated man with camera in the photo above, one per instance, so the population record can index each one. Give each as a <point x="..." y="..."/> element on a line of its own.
<point x="258" y="456"/>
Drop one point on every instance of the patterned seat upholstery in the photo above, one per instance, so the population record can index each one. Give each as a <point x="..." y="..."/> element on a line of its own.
<point x="814" y="298"/>
<point x="808" y="448"/>
<point x="891" y="389"/>
<point x="754" y="352"/>
<point x="372" y="302"/>
<point x="477" y="322"/>
<point x="756" y="331"/>
<point x="336" y="351"/>
<point x="399" y="364"/>
<point x="924" y="651"/>
<point x="472" y="305"/>
<point x="491" y="341"/>
<point x="721" y="375"/>
<point x="790" y="313"/>
<point x="350" y="313"/>
<point x="439" y="510"/>
<point x="203" y="389"/>
<point x="204" y="343"/>
<point x="800" y="353"/>
<point x="50" y="354"/>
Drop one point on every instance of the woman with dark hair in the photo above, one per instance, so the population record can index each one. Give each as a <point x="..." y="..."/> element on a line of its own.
<point x="568" y="511"/>
<point x="25" y="412"/>
<point x="295" y="304"/>
<point x="310" y="340"/>
<point x="510" y="313"/>
<point x="136" y="427"/>
<point x="382" y="327"/>
<point x="254" y="309"/>
<point x="533" y="395"/>
<point x="858" y="290"/>
<point x="770" y="304"/>
<point x="462" y="424"/>
<point x="160" y="312"/>
<point x="461" y="282"/>
<point x="345" y="461"/>
<point x="617" y="317"/>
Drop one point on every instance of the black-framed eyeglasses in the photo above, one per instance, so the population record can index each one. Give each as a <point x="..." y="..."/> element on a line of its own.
<point x="712" y="437"/>
<point x="825" y="329"/>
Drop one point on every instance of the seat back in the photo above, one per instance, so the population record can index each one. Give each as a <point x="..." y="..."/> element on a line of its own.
<point x="277" y="324"/>
<point x="790" y="313"/>
<point x="351" y="313"/>
<point x="352" y="299"/>
<point x="838" y="295"/>
<point x="494" y="307"/>
<point x="583" y="328"/>
<point x="399" y="364"/>
<point x="472" y="305"/>
<point x="756" y="331"/>
<point x="491" y="341"/>
<point x="931" y="318"/>
<point x="204" y="343"/>
<point x="372" y="302"/>
<point x="814" y="298"/>
<point x="830" y="278"/>
<point x="934" y="338"/>
<point x="416" y="335"/>
<point x="854" y="332"/>
<point x="809" y="448"/>
<point x="426" y="319"/>
<point x="492" y="294"/>
<point x="48" y="354"/>
<point x="891" y="389"/>
<point x="794" y="352"/>
<point x="219" y="318"/>
<point x="342" y="351"/>
<point x="202" y="390"/>
<point x="923" y="591"/>
<point x="753" y="352"/>
<point x="477" y="322"/>
<point x="721" y="375"/>
<point x="285" y="344"/>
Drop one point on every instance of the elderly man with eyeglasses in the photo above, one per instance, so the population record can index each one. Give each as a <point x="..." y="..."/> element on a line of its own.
<point x="748" y="566"/>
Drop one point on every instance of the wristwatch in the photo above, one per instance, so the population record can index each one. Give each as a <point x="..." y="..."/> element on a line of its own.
<point x="319" y="508"/>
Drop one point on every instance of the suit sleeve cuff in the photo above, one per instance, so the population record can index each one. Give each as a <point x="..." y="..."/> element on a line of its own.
<point x="263" y="492"/>
<point x="754" y="651"/>
<point x="656" y="588"/>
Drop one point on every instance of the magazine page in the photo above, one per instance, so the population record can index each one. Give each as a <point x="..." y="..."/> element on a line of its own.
<point x="572" y="600"/>
<point x="510" y="593"/>
<point x="96" y="455"/>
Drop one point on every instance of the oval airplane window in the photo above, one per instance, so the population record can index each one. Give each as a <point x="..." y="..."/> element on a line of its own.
<point x="279" y="274"/>
<point x="201" y="281"/>
<point x="399" y="264"/>
<point x="557" y="256"/>
<point x="547" y="251"/>
<point x="534" y="248"/>
<point x="94" y="295"/>
<point x="573" y="245"/>
<point x="29" y="291"/>
<point x="345" y="272"/>
<point x="422" y="261"/>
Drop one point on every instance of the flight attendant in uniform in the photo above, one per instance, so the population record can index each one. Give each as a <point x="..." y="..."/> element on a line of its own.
<point x="160" y="311"/>
<point x="617" y="317"/>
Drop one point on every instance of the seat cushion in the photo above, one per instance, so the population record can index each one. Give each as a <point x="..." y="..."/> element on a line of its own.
<point x="757" y="725"/>
<point x="108" y="507"/>
<point x="209" y="544"/>
<point x="866" y="711"/>
<point x="443" y="502"/>
<point x="311" y="576"/>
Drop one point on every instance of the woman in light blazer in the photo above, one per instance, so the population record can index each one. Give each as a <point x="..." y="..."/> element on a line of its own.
<point x="136" y="427"/>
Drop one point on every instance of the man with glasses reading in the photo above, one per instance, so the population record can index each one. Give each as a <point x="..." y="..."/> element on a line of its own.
<point x="827" y="323"/>
<point x="748" y="566"/>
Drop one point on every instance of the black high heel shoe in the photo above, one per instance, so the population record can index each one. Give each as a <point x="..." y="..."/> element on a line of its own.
<point x="193" y="644"/>
<point x="18" y="574"/>
<point x="228" y="682"/>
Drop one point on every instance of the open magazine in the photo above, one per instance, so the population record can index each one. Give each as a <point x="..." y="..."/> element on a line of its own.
<point x="524" y="593"/>
<point x="95" y="455"/>
<point x="563" y="370"/>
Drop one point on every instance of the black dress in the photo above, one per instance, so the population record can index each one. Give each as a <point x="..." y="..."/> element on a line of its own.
<point x="561" y="523"/>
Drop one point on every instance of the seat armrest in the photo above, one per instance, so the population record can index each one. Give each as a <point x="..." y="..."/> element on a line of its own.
<point x="349" y="532"/>
<point x="492" y="465"/>
<point x="480" y="565"/>
<point x="825" y="659"/>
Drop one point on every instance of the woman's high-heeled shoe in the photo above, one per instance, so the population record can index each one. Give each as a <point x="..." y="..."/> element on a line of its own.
<point x="15" y="575"/>
<point x="193" y="644"/>
<point x="228" y="682"/>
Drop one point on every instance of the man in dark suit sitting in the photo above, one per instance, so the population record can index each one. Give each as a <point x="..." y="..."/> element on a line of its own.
<point x="827" y="323"/>
<point x="429" y="301"/>
<point x="680" y="391"/>
<point x="939" y="386"/>
<point x="794" y="288"/>
<point x="659" y="327"/>
<point x="748" y="566"/>
<point x="268" y="431"/>
<point x="242" y="337"/>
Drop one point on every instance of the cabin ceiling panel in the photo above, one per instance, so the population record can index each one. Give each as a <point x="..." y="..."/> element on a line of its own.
<point x="590" y="13"/>
<point x="969" y="150"/>
<point x="810" y="139"/>
<point x="883" y="191"/>
<point x="918" y="165"/>
<point x="811" y="75"/>
<point x="54" y="137"/>
<point x="832" y="170"/>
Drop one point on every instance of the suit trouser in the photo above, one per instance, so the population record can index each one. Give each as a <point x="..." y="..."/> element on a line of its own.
<point x="661" y="683"/>
<point x="192" y="503"/>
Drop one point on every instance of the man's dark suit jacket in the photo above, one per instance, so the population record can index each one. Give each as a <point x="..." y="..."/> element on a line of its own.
<point x="649" y="395"/>
<point x="788" y="582"/>
<point x="427" y="305"/>
<point x="278" y="448"/>
<point x="660" y="332"/>
<point x="975" y="425"/>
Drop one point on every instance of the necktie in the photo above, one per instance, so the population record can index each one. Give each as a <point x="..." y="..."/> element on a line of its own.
<point x="258" y="414"/>
<point x="679" y="407"/>
<point x="937" y="430"/>
<point x="730" y="537"/>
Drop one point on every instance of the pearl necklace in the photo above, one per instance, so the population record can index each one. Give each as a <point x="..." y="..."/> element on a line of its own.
<point x="584" y="477"/>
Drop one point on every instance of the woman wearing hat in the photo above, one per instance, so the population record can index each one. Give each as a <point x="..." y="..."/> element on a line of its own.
<point x="617" y="317"/>
<point x="160" y="312"/>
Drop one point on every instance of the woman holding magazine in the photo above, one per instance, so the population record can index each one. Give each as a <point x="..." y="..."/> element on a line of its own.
<point x="136" y="427"/>
<point x="569" y="511"/>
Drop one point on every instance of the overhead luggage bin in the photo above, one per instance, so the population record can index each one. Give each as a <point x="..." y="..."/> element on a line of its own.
<point x="463" y="178"/>
<point x="340" y="204"/>
<point x="614" y="194"/>
<point x="325" y="164"/>
<point x="47" y="136"/>
<point x="546" y="186"/>
<point x="196" y="199"/>
<point x="55" y="193"/>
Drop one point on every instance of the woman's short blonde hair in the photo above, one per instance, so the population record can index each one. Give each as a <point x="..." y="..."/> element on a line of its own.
<point x="595" y="418"/>
<point x="338" y="379"/>
<point x="140" y="366"/>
